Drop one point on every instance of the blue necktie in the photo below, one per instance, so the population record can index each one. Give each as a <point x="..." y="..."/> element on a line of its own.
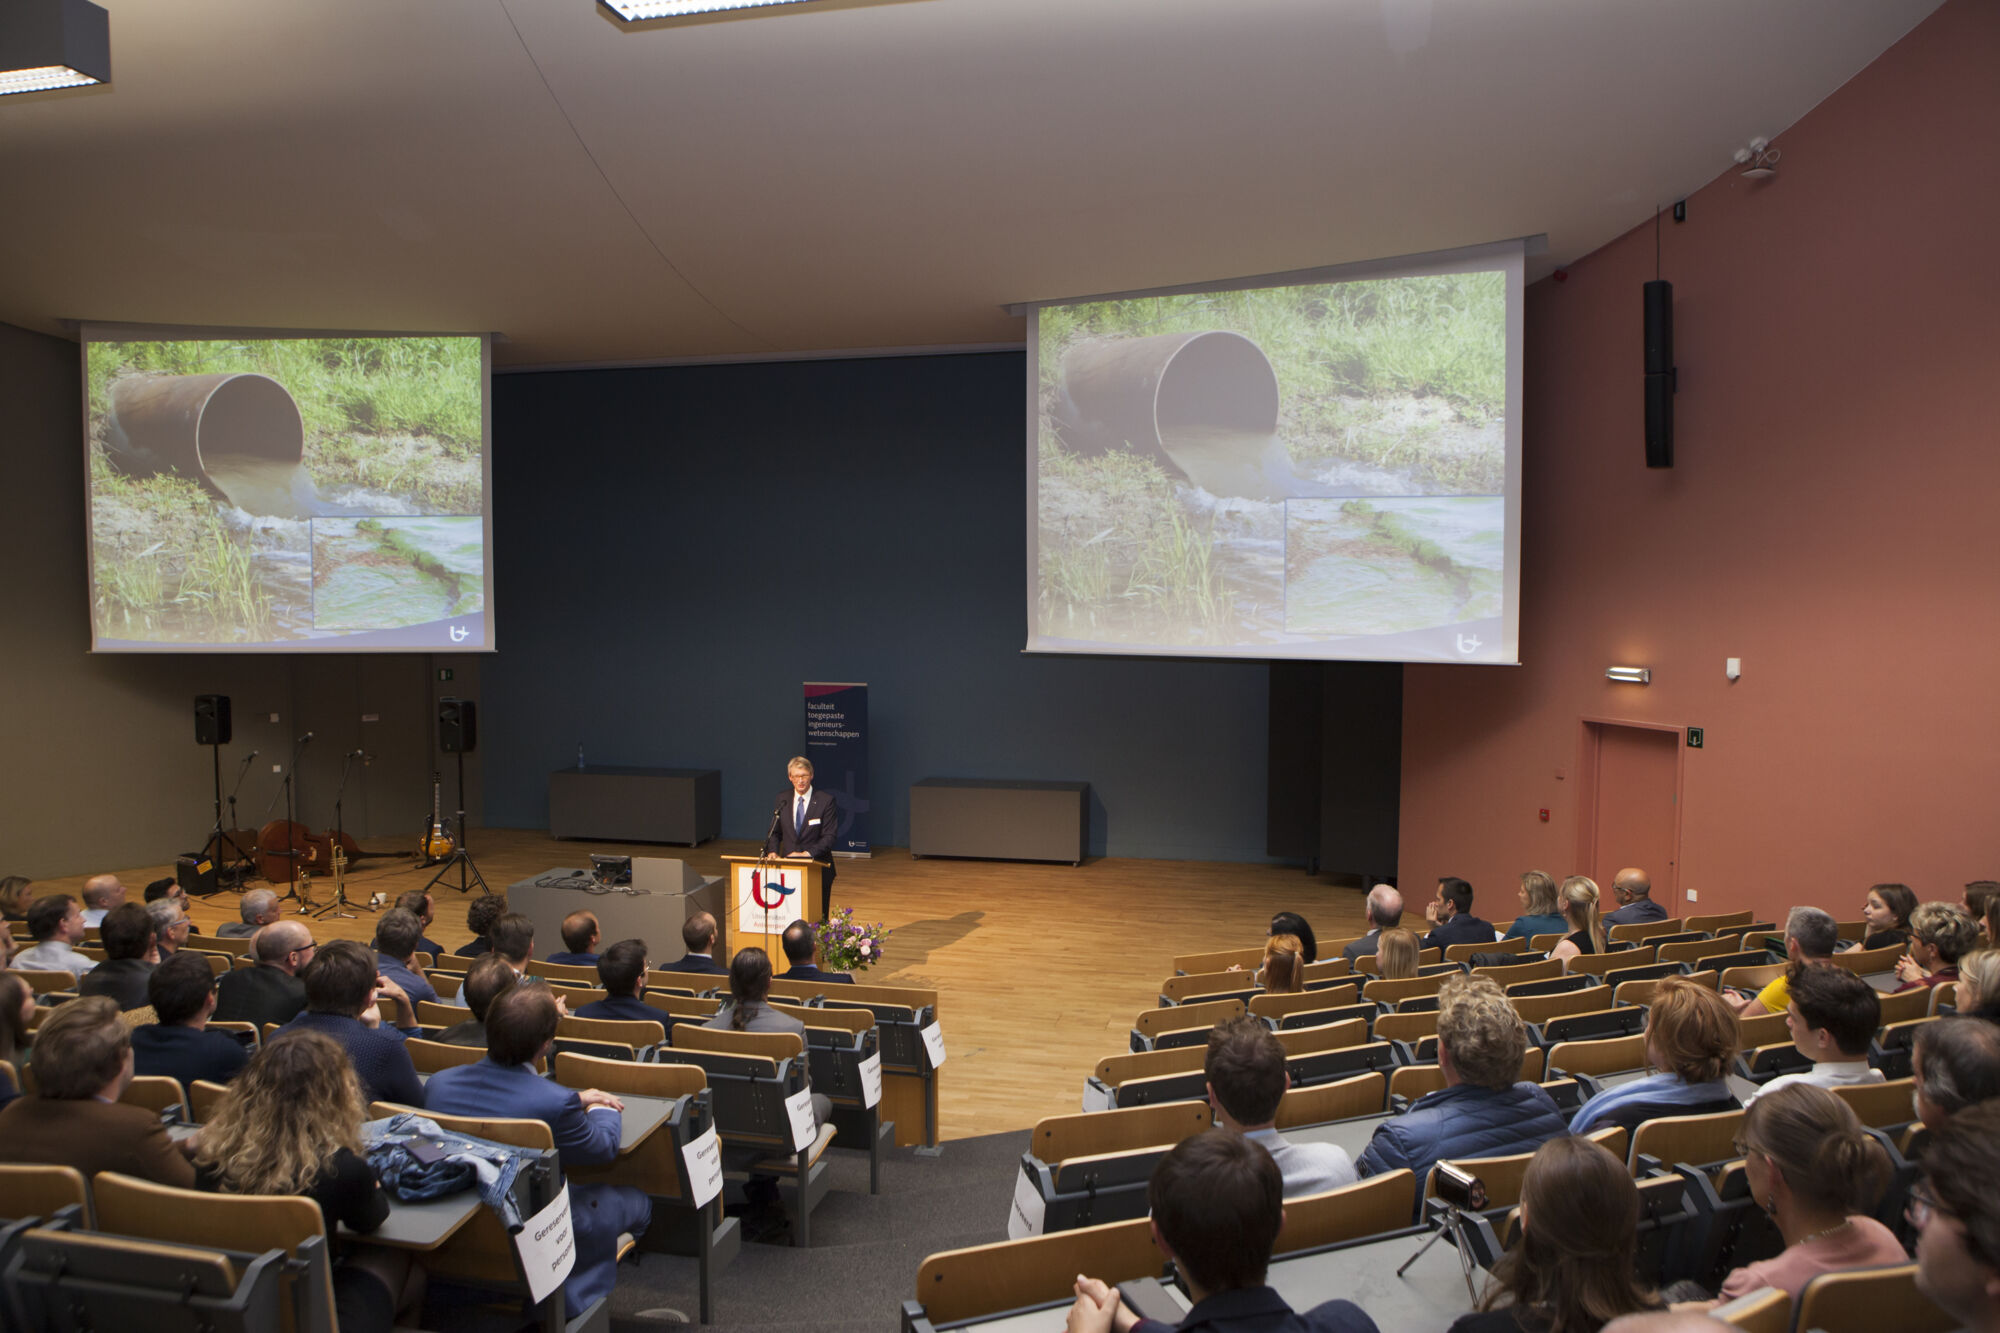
<point x="799" y="820"/>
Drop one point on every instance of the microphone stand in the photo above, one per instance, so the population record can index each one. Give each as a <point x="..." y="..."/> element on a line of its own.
<point x="292" y="852"/>
<point x="339" y="903"/>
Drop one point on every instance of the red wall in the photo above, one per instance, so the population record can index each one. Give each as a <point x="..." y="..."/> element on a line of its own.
<point x="1830" y="519"/>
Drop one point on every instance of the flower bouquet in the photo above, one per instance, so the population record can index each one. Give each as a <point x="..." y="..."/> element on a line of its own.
<point x="847" y="947"/>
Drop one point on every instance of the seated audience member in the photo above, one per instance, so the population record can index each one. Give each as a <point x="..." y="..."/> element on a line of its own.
<point x="1633" y="888"/>
<point x="1940" y="934"/>
<point x="1978" y="992"/>
<point x="1291" y="923"/>
<point x="1483" y="1110"/>
<point x="1396" y="958"/>
<point x="83" y="1061"/>
<point x="14" y="897"/>
<point x="344" y="998"/>
<point x="479" y="918"/>
<point x="101" y="893"/>
<point x="1811" y="936"/>
<point x="1990" y="924"/>
<point x="1579" y="899"/>
<point x="1385" y="910"/>
<point x="396" y="936"/>
<point x="1832" y="1016"/>
<point x="258" y="909"/>
<point x="56" y="924"/>
<point x="801" y="948"/>
<point x="171" y="926"/>
<point x="1572" y="1266"/>
<point x="749" y="1009"/>
<point x="1954" y="1064"/>
<point x="1690" y="1042"/>
<point x="1814" y="1169"/>
<point x="418" y="903"/>
<point x="1980" y="895"/>
<point x="512" y="939"/>
<point x="169" y="887"/>
<point x="1541" y="908"/>
<point x="1451" y="918"/>
<point x="131" y="953"/>
<point x="1217" y="1204"/>
<point x="291" y="1124"/>
<point x="1246" y="1075"/>
<point x="1283" y="971"/>
<point x="1886" y="911"/>
<point x="621" y="969"/>
<point x="698" y="935"/>
<point x="520" y="1029"/>
<point x="270" y="992"/>
<point x="1956" y="1212"/>
<point x="182" y="993"/>
<point x="579" y="935"/>
<point x="17" y="1008"/>
<point x="488" y="976"/>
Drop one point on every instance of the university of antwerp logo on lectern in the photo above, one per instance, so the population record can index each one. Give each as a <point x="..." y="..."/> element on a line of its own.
<point x="777" y="887"/>
<point x="768" y="900"/>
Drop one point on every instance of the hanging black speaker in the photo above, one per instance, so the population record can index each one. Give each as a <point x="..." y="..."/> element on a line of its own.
<point x="458" y="726"/>
<point x="1660" y="375"/>
<point x="211" y="719"/>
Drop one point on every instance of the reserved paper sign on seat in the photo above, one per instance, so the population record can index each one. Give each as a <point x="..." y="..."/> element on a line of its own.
<point x="704" y="1166"/>
<point x="934" y="1043"/>
<point x="871" y="1080"/>
<point x="804" y="1131"/>
<point x="547" y="1246"/>
<point x="1025" y="1217"/>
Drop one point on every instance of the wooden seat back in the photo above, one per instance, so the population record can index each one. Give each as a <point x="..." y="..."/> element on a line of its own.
<point x="1910" y="1004"/>
<point x="1880" y="1105"/>
<point x="1542" y="1008"/>
<point x="1502" y="1176"/>
<point x="1865" y="962"/>
<point x="1406" y="1027"/>
<point x="1862" y="1300"/>
<point x="1753" y="978"/>
<point x="1413" y="1081"/>
<point x="1504" y="977"/>
<point x="1060" y="1138"/>
<point x="631" y="1032"/>
<point x="1193" y="985"/>
<point x="1643" y="930"/>
<point x="727" y="1041"/>
<point x="1363" y="1094"/>
<point x="1597" y="964"/>
<point x="37" y="1190"/>
<point x="1322" y="1037"/>
<point x="684" y="1006"/>
<point x="1249" y="958"/>
<point x="1694" y="1139"/>
<point x="1152" y="1022"/>
<point x="1612" y="1055"/>
<point x="203" y="1097"/>
<point x="155" y="1092"/>
<point x="1936" y="997"/>
<point x="1328" y="968"/>
<point x="1390" y="992"/>
<point x="1276" y="1007"/>
<point x="956" y="1285"/>
<point x="1458" y="953"/>
<point x="574" y="974"/>
<point x="46" y="981"/>
<point x="1715" y="921"/>
<point x="431" y="1056"/>
<point x="1851" y="930"/>
<point x="1767" y="1310"/>
<point x="652" y="1165"/>
<point x="481" y="1251"/>
<point x="432" y="1014"/>
<point x="1760" y="1030"/>
<point x="1367" y="1208"/>
<point x="1114" y="1070"/>
<point x="1371" y="964"/>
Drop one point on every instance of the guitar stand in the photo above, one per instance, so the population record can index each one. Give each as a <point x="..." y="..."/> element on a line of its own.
<point x="468" y="873"/>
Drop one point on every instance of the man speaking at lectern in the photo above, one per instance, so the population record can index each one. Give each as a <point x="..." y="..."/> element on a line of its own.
<point x="804" y="825"/>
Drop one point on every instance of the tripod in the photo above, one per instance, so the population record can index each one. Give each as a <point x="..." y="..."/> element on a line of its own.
<point x="468" y="873"/>
<point x="339" y="904"/>
<point x="232" y="863"/>
<point x="1451" y="1222"/>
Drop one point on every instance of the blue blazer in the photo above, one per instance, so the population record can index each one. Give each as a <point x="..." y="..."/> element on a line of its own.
<point x="694" y="962"/>
<point x="625" y="1009"/>
<point x="811" y="972"/>
<point x="516" y="1092"/>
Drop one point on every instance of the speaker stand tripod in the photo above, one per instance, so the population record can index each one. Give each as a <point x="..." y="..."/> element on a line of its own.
<point x="468" y="873"/>
<point x="232" y="862"/>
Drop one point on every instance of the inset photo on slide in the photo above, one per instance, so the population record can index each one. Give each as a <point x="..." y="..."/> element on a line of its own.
<point x="1387" y="566"/>
<point x="390" y="572"/>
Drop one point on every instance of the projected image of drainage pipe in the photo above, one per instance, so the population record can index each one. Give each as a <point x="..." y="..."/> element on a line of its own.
<point x="239" y="436"/>
<point x="1205" y="404"/>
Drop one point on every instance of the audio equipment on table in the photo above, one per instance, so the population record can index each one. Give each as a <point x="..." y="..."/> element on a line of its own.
<point x="435" y="844"/>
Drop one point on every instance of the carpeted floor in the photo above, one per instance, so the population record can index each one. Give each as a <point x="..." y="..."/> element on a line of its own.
<point x="865" y="1252"/>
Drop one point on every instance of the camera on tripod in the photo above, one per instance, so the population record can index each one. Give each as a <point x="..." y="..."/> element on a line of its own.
<point x="1460" y="1189"/>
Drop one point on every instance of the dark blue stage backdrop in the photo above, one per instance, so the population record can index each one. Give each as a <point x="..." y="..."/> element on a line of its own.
<point x="837" y="744"/>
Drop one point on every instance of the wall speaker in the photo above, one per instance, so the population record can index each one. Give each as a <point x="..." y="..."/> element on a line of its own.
<point x="1660" y="376"/>
<point x="211" y="719"/>
<point x="458" y="726"/>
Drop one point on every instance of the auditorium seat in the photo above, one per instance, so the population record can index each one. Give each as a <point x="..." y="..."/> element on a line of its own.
<point x="1506" y="975"/>
<point x="1641" y="992"/>
<point x="156" y="1092"/>
<point x="1274" y="1008"/>
<point x="1342" y="1099"/>
<point x="954" y="1286"/>
<point x="1541" y="1009"/>
<point x="1715" y="921"/>
<point x="1183" y="1024"/>
<point x="1636" y="931"/>
<point x="1686" y="1140"/>
<point x="1865" y="1300"/>
<point x="1766" y="1310"/>
<point x="1372" y="1207"/>
<point x="1248" y="958"/>
<point x="37" y="1190"/>
<point x="1459" y="953"/>
<point x="1868" y="962"/>
<point x="1880" y="1105"/>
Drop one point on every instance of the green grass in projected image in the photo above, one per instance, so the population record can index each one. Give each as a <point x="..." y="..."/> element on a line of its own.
<point x="1393" y="386"/>
<point x="217" y="548"/>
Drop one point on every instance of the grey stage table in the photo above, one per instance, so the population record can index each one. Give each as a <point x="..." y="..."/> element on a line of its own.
<point x="636" y="804"/>
<point x="673" y="892"/>
<point x="1000" y="819"/>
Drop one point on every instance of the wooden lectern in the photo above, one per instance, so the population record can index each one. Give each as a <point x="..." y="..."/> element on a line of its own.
<point x="762" y="896"/>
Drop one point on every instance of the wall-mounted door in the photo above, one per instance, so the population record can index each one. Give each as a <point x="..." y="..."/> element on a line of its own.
<point x="1631" y="808"/>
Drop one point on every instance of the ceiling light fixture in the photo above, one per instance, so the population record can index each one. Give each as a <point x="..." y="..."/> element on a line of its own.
<point x="48" y="44"/>
<point x="1629" y="675"/>
<point x="1759" y="161"/>
<point x="639" y="11"/>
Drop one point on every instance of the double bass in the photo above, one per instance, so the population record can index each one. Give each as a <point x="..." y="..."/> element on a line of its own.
<point x="285" y="843"/>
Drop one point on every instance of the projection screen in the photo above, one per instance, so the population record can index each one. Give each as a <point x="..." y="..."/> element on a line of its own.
<point x="1307" y="465"/>
<point x="258" y="491"/>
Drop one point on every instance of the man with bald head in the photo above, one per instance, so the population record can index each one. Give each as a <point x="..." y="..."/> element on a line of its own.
<point x="1385" y="912"/>
<point x="1633" y="888"/>
<point x="101" y="893"/>
<point x="271" y="991"/>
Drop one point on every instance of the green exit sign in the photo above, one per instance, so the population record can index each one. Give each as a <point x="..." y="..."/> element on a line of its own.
<point x="444" y="673"/>
<point x="1694" y="738"/>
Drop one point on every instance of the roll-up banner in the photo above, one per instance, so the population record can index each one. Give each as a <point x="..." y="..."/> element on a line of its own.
<point x="837" y="744"/>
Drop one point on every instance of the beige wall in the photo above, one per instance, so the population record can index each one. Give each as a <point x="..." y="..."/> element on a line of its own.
<point x="1829" y="520"/>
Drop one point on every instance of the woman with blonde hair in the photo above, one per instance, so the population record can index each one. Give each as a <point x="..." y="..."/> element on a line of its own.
<point x="1541" y="908"/>
<point x="1396" y="954"/>
<point x="1284" y="969"/>
<point x="1691" y="1039"/>
<point x="1978" y="992"/>
<point x="1579" y="908"/>
<point x="291" y="1124"/>
<point x="14" y="897"/>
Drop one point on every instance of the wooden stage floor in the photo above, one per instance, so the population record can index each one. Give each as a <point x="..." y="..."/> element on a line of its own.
<point x="1041" y="968"/>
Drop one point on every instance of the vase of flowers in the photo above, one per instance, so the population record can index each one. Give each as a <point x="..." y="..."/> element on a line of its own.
<point x="846" y="946"/>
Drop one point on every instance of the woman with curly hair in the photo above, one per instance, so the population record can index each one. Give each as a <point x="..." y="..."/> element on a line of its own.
<point x="291" y="1124"/>
<point x="1571" y="1269"/>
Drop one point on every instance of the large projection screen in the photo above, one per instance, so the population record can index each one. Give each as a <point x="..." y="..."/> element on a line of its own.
<point x="260" y="491"/>
<point x="1307" y="465"/>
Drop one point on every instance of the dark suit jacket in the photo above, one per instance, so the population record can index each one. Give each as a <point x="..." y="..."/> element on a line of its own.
<point x="1637" y="912"/>
<point x="92" y="1136"/>
<point x="695" y="962"/>
<point x="811" y="972"/>
<point x="624" y="1009"/>
<point x="583" y="1138"/>
<point x="1262" y="1310"/>
<point x="260" y="995"/>
<point x="816" y="838"/>
<point x="1465" y="928"/>
<point x="380" y="1060"/>
<point x="123" y="979"/>
<point x="186" y="1054"/>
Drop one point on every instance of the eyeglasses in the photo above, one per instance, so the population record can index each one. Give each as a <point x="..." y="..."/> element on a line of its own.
<point x="1923" y="1205"/>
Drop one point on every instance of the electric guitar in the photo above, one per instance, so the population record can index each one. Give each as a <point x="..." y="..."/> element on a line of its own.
<point x="435" y="843"/>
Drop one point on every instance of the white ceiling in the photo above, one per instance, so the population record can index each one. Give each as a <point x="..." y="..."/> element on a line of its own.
<point x="856" y="176"/>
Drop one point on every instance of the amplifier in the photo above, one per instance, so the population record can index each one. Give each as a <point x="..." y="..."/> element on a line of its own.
<point x="196" y="874"/>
